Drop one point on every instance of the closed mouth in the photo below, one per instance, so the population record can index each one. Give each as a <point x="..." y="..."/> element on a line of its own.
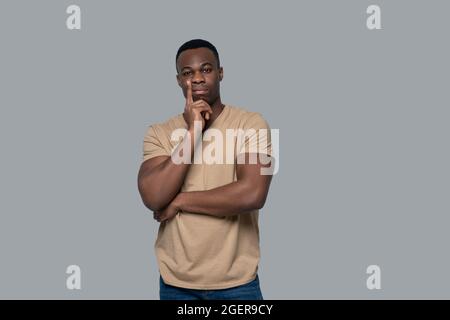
<point x="199" y="91"/>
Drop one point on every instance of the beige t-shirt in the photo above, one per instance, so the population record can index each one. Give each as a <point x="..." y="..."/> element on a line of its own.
<point x="201" y="251"/>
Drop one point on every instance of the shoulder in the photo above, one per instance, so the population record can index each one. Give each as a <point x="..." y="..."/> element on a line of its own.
<point x="248" y="118"/>
<point x="165" y="128"/>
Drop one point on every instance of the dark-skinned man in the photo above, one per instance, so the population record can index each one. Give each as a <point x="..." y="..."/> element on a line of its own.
<point x="208" y="239"/>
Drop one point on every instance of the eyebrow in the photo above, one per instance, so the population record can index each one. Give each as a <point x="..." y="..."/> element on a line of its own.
<point x="201" y="65"/>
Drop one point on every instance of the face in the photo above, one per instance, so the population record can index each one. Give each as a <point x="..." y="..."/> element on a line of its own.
<point x="200" y="66"/>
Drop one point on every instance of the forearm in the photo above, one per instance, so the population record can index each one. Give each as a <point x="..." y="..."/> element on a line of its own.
<point x="231" y="199"/>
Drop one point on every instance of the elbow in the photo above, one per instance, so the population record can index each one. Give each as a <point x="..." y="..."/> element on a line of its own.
<point x="149" y="199"/>
<point x="258" y="199"/>
<point x="259" y="203"/>
<point x="152" y="205"/>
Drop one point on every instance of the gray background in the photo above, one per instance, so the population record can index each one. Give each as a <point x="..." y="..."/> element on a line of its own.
<point x="364" y="174"/>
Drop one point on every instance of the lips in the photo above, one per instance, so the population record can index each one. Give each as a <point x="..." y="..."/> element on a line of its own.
<point x="200" y="91"/>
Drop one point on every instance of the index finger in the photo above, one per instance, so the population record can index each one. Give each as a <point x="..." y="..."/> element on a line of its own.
<point x="189" y="93"/>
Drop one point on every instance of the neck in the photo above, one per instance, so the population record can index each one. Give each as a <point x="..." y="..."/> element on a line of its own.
<point x="217" y="105"/>
<point x="217" y="108"/>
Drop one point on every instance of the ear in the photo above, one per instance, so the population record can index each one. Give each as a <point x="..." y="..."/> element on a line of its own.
<point x="179" y="81"/>
<point x="220" y="74"/>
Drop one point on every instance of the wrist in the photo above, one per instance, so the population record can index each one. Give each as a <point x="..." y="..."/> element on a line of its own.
<point x="178" y="201"/>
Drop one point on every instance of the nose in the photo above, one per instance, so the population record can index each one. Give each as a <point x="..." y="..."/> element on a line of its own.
<point x="198" y="77"/>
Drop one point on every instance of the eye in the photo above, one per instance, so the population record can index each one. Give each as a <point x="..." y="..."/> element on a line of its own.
<point x="185" y="73"/>
<point x="207" y="70"/>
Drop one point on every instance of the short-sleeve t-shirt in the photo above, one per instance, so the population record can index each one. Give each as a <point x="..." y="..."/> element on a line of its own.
<point x="199" y="251"/>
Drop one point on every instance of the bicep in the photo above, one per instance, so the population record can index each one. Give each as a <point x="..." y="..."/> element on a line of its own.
<point x="251" y="170"/>
<point x="150" y="165"/>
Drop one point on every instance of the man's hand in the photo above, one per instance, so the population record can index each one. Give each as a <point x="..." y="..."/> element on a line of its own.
<point x="194" y="111"/>
<point x="167" y="213"/>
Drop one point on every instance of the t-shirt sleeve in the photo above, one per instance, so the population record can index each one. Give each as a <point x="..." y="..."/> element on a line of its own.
<point x="256" y="137"/>
<point x="153" y="146"/>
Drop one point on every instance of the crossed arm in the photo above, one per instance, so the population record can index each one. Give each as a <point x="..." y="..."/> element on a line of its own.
<point x="160" y="181"/>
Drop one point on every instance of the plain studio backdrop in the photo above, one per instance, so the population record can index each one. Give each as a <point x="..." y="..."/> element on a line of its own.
<point x="363" y="119"/>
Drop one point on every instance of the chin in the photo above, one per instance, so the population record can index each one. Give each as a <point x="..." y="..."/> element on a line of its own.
<point x="204" y="98"/>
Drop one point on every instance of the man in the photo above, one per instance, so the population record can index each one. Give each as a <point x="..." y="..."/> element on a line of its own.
<point x="208" y="240"/>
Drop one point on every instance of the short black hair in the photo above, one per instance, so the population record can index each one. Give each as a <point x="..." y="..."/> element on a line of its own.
<point x="198" y="43"/>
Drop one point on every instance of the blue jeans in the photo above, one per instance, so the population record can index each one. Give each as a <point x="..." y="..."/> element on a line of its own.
<point x="248" y="291"/>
